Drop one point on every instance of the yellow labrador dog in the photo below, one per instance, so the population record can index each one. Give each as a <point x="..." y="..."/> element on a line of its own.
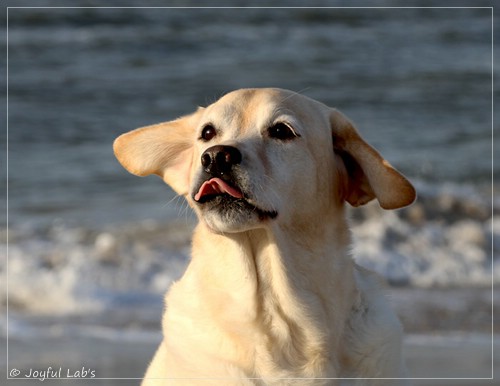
<point x="271" y="295"/>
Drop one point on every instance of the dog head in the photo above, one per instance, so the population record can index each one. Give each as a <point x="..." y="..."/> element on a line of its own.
<point x="258" y="156"/>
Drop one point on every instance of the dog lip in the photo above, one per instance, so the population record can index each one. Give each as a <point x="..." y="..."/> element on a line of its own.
<point x="216" y="186"/>
<point x="220" y="200"/>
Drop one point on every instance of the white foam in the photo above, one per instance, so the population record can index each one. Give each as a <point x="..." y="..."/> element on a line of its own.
<point x="58" y="273"/>
<point x="434" y="254"/>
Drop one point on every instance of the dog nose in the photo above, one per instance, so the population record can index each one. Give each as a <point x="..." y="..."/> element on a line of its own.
<point x="218" y="160"/>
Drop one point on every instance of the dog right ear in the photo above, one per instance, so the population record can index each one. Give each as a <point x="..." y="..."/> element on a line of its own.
<point x="164" y="149"/>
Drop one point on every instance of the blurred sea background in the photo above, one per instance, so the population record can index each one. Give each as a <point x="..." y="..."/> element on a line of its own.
<point x="92" y="249"/>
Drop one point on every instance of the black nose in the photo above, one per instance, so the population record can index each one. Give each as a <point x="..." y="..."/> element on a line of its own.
<point x="218" y="160"/>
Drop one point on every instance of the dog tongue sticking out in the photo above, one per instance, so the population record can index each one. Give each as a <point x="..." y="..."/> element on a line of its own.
<point x="217" y="186"/>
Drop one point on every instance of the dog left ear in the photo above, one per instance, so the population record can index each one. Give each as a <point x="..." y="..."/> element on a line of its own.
<point x="368" y="175"/>
<point x="165" y="149"/>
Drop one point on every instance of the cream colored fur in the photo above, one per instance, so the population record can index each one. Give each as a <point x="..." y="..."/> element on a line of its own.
<point x="274" y="301"/>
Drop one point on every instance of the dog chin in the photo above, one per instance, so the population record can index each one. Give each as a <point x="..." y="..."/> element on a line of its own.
<point x="224" y="214"/>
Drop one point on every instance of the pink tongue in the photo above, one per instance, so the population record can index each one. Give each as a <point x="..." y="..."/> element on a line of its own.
<point x="217" y="186"/>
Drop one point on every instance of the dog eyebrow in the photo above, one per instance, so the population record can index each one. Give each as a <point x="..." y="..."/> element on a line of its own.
<point x="284" y="115"/>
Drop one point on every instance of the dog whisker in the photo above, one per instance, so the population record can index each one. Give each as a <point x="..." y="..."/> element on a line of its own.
<point x="270" y="187"/>
<point x="295" y="93"/>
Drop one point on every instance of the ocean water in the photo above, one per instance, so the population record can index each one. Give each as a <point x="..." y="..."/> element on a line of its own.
<point x="89" y="243"/>
<point x="417" y="82"/>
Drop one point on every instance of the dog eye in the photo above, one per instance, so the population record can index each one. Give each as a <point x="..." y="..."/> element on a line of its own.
<point x="281" y="131"/>
<point x="208" y="133"/>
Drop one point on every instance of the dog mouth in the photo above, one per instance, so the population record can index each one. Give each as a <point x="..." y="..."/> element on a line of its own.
<point x="214" y="187"/>
<point x="217" y="193"/>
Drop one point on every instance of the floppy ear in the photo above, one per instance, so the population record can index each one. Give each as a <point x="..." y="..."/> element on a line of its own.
<point x="165" y="149"/>
<point x="368" y="175"/>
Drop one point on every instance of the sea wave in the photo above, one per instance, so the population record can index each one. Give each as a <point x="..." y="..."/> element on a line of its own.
<point x="447" y="238"/>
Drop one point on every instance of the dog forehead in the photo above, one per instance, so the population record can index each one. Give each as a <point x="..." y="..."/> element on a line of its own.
<point x="256" y="108"/>
<point x="243" y="108"/>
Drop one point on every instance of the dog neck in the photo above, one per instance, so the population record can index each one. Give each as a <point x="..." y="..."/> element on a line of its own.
<point x="279" y="285"/>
